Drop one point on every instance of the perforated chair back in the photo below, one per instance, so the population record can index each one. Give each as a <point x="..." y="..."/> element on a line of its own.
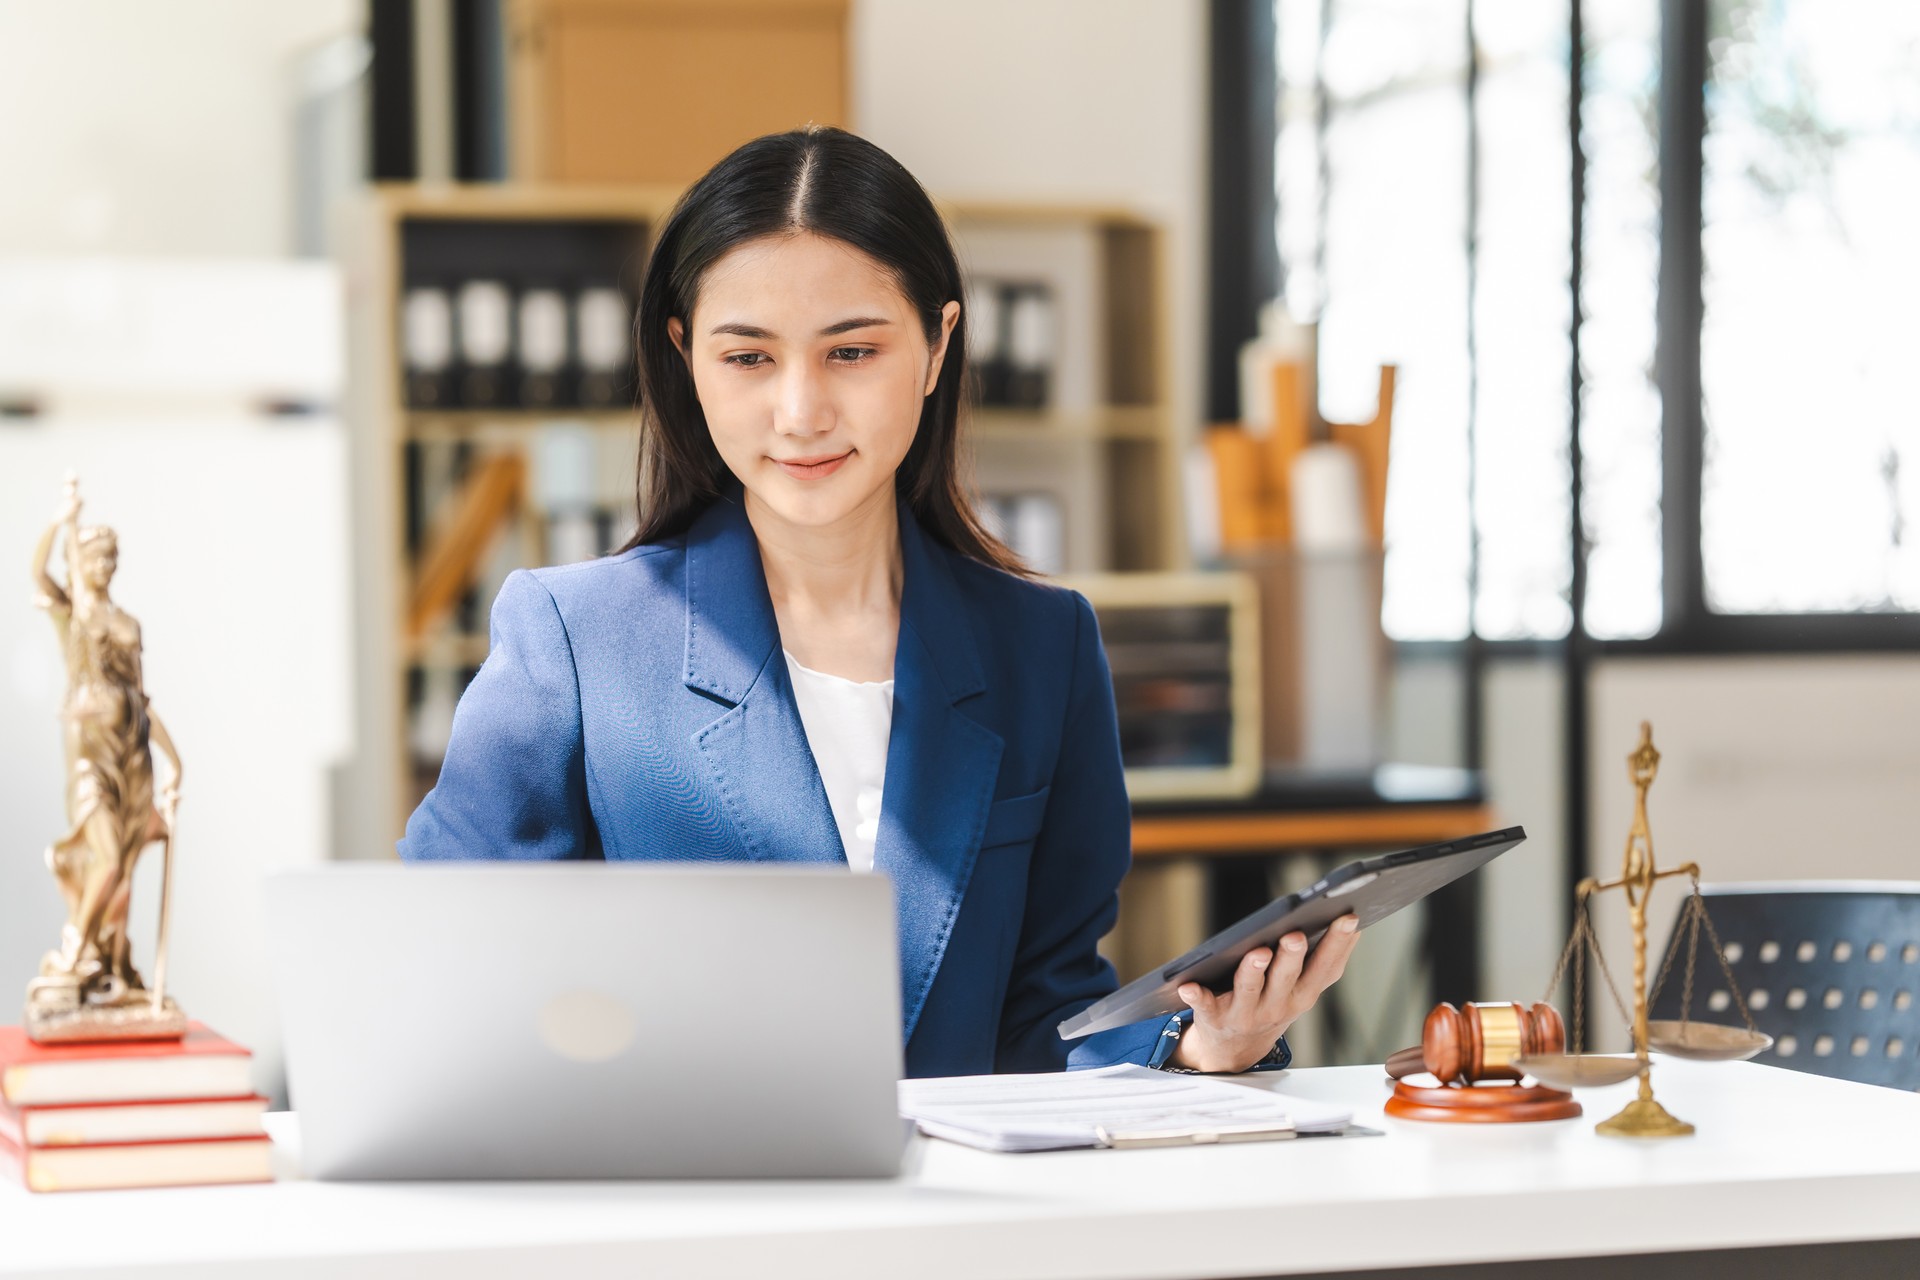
<point x="1830" y="970"/>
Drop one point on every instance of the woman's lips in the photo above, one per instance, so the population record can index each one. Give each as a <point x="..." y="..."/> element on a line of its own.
<point x="814" y="468"/>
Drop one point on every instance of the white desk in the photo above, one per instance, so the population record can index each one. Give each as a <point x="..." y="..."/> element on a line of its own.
<point x="1781" y="1158"/>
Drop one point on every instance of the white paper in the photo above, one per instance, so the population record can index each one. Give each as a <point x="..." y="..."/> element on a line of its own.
<point x="1054" y="1111"/>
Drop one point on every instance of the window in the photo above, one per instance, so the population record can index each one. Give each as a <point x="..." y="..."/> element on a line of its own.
<point x="1425" y="170"/>
<point x="1810" y="187"/>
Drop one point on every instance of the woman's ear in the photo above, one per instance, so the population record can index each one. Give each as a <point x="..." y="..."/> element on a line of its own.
<point x="677" y="333"/>
<point x="949" y="315"/>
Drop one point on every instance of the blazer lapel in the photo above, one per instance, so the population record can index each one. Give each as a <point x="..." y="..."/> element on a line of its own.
<point x="941" y="766"/>
<point x="756" y="750"/>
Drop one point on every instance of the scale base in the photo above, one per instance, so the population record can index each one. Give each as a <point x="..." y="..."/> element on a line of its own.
<point x="1644" y="1118"/>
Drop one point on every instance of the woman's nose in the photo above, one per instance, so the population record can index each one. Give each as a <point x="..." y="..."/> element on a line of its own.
<point x="803" y="406"/>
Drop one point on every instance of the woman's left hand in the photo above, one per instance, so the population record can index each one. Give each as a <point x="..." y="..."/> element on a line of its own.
<point x="1271" y="987"/>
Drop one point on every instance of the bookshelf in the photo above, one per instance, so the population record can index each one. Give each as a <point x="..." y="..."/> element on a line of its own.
<point x="458" y="480"/>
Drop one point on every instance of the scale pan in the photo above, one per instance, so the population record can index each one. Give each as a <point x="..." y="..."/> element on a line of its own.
<point x="1578" y="1070"/>
<point x="1706" y="1041"/>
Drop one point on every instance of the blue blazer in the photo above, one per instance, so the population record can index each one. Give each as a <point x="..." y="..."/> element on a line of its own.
<point x="638" y="707"/>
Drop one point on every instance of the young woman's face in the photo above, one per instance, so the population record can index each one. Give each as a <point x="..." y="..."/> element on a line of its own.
<point x="811" y="367"/>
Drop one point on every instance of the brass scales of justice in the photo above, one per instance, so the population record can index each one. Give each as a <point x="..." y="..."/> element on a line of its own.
<point x="1644" y="1117"/>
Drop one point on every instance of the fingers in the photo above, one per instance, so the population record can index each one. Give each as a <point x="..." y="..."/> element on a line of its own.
<point x="1329" y="960"/>
<point x="1202" y="1001"/>
<point x="1301" y="979"/>
<point x="1276" y="1003"/>
<point x="1250" y="976"/>
<point x="1249" y="983"/>
<point x="1276" y="985"/>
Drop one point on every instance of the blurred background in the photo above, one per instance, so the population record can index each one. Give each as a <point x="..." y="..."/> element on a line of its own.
<point x="1426" y="392"/>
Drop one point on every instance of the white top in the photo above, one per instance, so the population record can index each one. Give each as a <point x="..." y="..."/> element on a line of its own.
<point x="1780" y="1158"/>
<point x="848" y="723"/>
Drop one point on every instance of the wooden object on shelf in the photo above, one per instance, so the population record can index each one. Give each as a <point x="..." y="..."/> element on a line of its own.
<point x="1293" y="419"/>
<point x="1256" y="508"/>
<point x="1325" y="655"/>
<point x="1246" y="516"/>
<point x="1371" y="441"/>
<point x="622" y="91"/>
<point x="486" y="501"/>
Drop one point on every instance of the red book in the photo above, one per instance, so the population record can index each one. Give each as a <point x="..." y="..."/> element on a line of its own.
<point x="138" y="1164"/>
<point x="86" y="1124"/>
<point x="203" y="1065"/>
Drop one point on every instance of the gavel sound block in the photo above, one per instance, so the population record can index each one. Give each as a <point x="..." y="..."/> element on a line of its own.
<point x="1467" y="1049"/>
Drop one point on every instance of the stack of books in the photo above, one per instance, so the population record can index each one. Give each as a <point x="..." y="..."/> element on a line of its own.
<point x="157" y="1113"/>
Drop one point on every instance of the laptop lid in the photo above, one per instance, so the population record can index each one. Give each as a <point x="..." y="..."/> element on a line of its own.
<point x="589" y="1020"/>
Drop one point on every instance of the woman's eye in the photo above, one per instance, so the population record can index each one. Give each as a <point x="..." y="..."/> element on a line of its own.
<point x="755" y="359"/>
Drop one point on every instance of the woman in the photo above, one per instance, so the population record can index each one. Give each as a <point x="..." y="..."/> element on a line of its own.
<point x="810" y="584"/>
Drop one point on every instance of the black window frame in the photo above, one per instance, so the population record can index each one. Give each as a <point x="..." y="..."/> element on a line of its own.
<point x="1688" y="624"/>
<point x="1244" y="270"/>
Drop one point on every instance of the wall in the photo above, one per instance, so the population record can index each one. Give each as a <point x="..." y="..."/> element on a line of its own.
<point x="1775" y="767"/>
<point x="1080" y="101"/>
<point x="154" y="128"/>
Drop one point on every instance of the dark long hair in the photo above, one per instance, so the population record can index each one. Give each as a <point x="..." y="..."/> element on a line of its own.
<point x="831" y="183"/>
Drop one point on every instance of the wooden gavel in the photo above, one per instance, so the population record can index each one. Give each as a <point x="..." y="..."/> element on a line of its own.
<point x="1480" y="1042"/>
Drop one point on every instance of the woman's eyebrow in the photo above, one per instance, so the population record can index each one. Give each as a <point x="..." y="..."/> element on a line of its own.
<point x="843" y="326"/>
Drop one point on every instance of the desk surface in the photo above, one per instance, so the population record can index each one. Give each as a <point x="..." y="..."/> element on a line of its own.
<point x="1780" y="1158"/>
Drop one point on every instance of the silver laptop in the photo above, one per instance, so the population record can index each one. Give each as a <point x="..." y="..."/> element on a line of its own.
<point x="589" y="1020"/>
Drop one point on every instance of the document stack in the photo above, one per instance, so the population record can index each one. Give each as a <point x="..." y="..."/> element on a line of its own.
<point x="1121" y="1106"/>
<point x="157" y="1113"/>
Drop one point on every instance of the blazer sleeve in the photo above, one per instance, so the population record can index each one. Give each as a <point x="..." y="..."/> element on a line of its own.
<point x="514" y="781"/>
<point x="1080" y="856"/>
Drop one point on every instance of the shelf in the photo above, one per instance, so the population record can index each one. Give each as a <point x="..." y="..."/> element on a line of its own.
<point x="1144" y="423"/>
<point x="472" y="424"/>
<point x="1017" y="211"/>
<point x="449" y="649"/>
<point x="620" y="203"/>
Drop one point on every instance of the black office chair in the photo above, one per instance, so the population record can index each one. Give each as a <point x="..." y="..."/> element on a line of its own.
<point x="1830" y="970"/>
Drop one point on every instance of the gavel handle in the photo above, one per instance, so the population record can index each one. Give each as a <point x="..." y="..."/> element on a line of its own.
<point x="1407" y="1062"/>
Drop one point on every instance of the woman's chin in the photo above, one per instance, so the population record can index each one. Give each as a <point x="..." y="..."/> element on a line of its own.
<point x="816" y="504"/>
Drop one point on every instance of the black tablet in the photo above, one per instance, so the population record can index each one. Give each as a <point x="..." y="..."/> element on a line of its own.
<point x="1373" y="889"/>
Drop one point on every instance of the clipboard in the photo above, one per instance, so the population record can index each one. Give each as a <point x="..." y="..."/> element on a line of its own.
<point x="1198" y="1137"/>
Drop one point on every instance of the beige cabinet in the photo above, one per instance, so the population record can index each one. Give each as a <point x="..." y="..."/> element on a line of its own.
<point x="658" y="90"/>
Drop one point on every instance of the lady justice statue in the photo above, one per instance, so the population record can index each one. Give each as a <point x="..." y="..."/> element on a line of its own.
<point x="89" y="989"/>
